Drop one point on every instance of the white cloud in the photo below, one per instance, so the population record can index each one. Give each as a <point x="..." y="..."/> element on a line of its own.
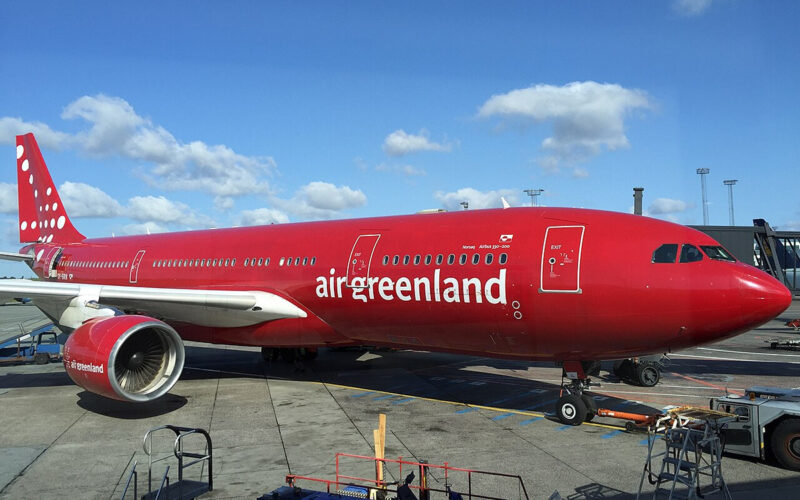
<point x="160" y="209"/>
<point x="691" y="8"/>
<point x="83" y="200"/>
<point x="322" y="200"/>
<point x="400" y="143"/>
<point x="476" y="199"/>
<point x="406" y="170"/>
<point x="587" y="117"/>
<point x="117" y="130"/>
<point x="662" y="206"/>
<point x="261" y="217"/>
<point x="8" y="198"/>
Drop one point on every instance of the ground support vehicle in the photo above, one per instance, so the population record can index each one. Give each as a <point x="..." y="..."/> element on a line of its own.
<point x="39" y="346"/>
<point x="768" y="423"/>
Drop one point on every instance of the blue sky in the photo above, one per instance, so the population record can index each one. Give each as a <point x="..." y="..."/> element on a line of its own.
<point x="183" y="115"/>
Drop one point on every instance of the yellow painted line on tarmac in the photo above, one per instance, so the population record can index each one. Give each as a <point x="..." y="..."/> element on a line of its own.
<point x="456" y="403"/>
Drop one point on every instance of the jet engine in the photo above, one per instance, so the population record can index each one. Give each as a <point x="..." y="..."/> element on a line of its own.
<point x="130" y="358"/>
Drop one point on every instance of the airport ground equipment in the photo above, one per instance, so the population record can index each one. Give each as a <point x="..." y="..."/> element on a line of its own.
<point x="644" y="371"/>
<point x="791" y="345"/>
<point x="768" y="424"/>
<point x="38" y="345"/>
<point x="183" y="488"/>
<point x="453" y="483"/>
<point x="691" y="460"/>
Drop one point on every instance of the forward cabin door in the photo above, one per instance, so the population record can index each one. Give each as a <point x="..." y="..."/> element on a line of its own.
<point x="561" y="259"/>
<point x="360" y="259"/>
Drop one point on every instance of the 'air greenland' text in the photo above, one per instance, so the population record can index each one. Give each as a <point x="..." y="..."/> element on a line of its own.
<point x="418" y="289"/>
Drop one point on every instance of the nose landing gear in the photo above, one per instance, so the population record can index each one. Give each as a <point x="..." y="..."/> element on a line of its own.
<point x="574" y="407"/>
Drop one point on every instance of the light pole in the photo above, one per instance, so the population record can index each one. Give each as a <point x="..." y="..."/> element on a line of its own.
<point x="703" y="172"/>
<point x="533" y="193"/>
<point x="730" y="183"/>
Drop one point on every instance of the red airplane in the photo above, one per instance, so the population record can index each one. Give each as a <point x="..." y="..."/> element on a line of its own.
<point x="561" y="284"/>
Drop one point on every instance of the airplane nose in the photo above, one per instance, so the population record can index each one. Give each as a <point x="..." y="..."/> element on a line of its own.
<point x="763" y="297"/>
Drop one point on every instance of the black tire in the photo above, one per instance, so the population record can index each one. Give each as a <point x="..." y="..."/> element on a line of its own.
<point x="785" y="442"/>
<point x="591" y="407"/>
<point x="571" y="410"/>
<point x="647" y="374"/>
<point x="41" y="358"/>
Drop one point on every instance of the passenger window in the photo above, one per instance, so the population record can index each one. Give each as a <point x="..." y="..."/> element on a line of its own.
<point x="665" y="254"/>
<point x="305" y="261"/>
<point x="503" y="258"/>
<point x="227" y="261"/>
<point x="451" y="259"/>
<point x="385" y="260"/>
<point x="417" y="259"/>
<point x="289" y="261"/>
<point x="196" y="262"/>
<point x="463" y="259"/>
<point x="428" y="259"/>
<point x="266" y="262"/>
<point x="246" y="262"/>
<point x="215" y="263"/>
<point x="233" y="262"/>
<point x="690" y="253"/>
<point x="476" y="258"/>
<point x="489" y="258"/>
<point x="406" y="258"/>
<point x="439" y="259"/>
<point x="395" y="260"/>
<point x="313" y="260"/>
<point x="260" y="261"/>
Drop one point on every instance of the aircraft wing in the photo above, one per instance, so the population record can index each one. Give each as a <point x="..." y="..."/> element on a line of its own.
<point x="15" y="256"/>
<point x="218" y="308"/>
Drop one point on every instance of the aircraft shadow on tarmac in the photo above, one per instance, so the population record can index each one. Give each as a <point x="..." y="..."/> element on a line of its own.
<point x="129" y="411"/>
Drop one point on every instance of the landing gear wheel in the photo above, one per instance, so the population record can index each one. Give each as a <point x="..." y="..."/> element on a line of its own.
<point x="591" y="407"/>
<point x="647" y="374"/>
<point x="571" y="410"/>
<point x="785" y="443"/>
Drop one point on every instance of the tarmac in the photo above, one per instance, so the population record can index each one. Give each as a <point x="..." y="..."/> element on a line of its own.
<point x="268" y="420"/>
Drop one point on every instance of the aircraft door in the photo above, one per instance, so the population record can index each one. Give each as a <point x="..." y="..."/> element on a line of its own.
<point x="360" y="259"/>
<point x="561" y="260"/>
<point x="49" y="263"/>
<point x="134" y="276"/>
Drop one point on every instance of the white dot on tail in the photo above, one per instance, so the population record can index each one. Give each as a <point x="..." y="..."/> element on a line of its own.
<point x="49" y="238"/>
<point x="35" y="193"/>
<point x="30" y="179"/>
<point x="44" y="224"/>
<point x="61" y="221"/>
<point x="33" y="225"/>
<point x="20" y="151"/>
<point x="25" y="166"/>
<point x="47" y="208"/>
<point x="55" y="207"/>
<point x="49" y="190"/>
<point x="39" y="255"/>
<point x="24" y="225"/>
<point x="52" y="223"/>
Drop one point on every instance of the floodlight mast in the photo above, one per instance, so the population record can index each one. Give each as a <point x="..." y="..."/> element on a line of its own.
<point x="730" y="183"/>
<point x="534" y="193"/>
<point x="702" y="172"/>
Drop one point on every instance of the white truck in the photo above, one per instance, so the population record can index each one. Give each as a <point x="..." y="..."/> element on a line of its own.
<point x="768" y="423"/>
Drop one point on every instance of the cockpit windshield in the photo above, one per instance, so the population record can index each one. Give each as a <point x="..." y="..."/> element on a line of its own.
<point x="718" y="253"/>
<point x="690" y="253"/>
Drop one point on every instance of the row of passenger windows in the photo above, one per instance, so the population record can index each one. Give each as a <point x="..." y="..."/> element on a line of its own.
<point x="451" y="259"/>
<point x="668" y="252"/>
<point x="248" y="262"/>
<point x="94" y="264"/>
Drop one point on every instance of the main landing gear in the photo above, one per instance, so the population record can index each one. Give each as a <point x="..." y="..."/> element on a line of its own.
<point x="288" y="354"/>
<point x="574" y="407"/>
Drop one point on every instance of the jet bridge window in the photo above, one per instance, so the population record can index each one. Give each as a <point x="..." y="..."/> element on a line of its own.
<point x="718" y="253"/>
<point x="665" y="254"/>
<point x="690" y="253"/>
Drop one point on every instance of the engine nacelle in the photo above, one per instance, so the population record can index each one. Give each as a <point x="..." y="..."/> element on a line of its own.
<point x="130" y="358"/>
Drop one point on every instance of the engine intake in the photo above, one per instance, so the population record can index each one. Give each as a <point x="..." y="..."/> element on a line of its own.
<point x="130" y="358"/>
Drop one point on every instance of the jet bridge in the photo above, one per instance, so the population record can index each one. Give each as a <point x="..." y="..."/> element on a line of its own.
<point x="776" y="252"/>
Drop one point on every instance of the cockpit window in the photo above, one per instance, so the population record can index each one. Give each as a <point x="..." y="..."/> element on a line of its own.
<point x="690" y="253"/>
<point x="665" y="254"/>
<point x="718" y="253"/>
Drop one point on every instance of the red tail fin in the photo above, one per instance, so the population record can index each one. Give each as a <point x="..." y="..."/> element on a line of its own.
<point x="42" y="217"/>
